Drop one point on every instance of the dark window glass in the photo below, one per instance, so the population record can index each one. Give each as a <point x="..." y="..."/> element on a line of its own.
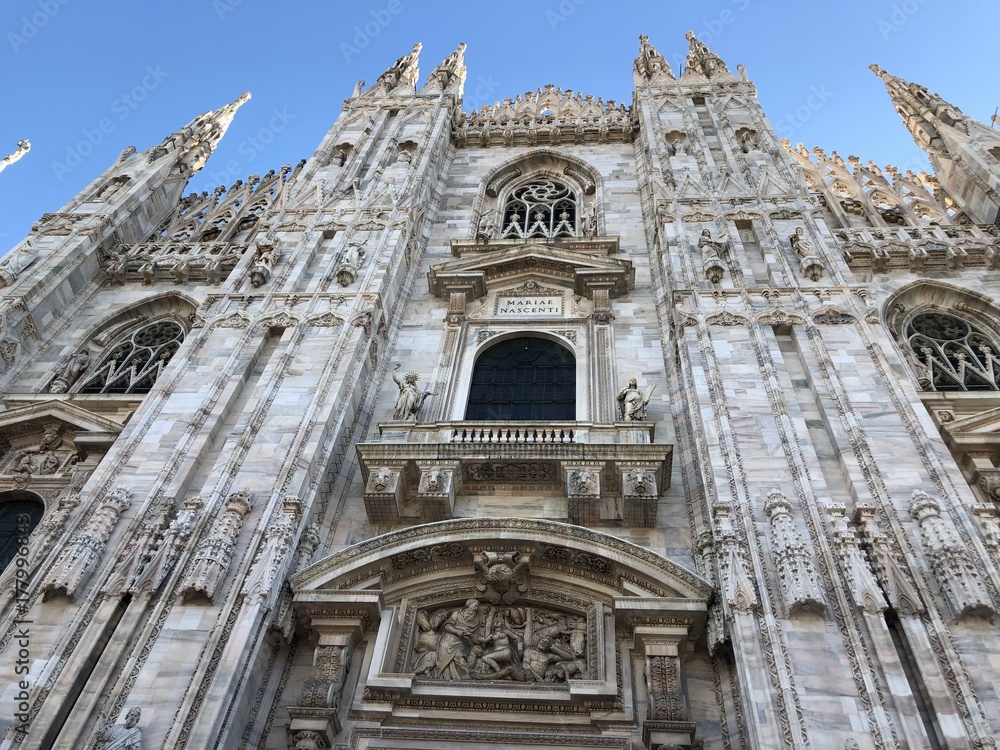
<point x="526" y="378"/>
<point x="17" y="518"/>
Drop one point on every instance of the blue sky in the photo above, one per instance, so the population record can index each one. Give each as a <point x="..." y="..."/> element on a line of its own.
<point x="83" y="79"/>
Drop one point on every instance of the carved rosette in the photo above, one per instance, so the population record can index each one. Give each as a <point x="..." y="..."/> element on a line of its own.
<point x="792" y="559"/>
<point x="214" y="554"/>
<point x="84" y="550"/>
<point x="950" y="561"/>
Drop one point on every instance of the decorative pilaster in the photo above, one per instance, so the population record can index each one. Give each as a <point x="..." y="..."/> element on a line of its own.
<point x="950" y="561"/>
<point x="84" y="550"/>
<point x="215" y="553"/>
<point x="793" y="562"/>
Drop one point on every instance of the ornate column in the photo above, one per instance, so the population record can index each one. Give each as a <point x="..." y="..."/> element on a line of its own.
<point x="215" y="553"/>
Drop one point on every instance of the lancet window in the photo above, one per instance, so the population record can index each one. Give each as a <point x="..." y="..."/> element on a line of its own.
<point x="952" y="354"/>
<point x="544" y="209"/>
<point x="524" y="378"/>
<point x="136" y="359"/>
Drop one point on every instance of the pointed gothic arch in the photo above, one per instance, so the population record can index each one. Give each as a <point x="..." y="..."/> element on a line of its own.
<point x="581" y="182"/>
<point x="128" y="350"/>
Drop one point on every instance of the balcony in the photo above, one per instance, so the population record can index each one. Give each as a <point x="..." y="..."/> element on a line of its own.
<point x="610" y="474"/>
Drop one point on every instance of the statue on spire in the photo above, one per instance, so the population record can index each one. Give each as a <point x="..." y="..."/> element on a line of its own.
<point x="650" y="64"/>
<point x="702" y="60"/>
<point x="23" y="147"/>
<point x="196" y="141"/>
<point x="404" y="70"/>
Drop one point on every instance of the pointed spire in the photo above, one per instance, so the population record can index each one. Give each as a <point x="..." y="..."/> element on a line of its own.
<point x="404" y="71"/>
<point x="451" y="70"/>
<point x="650" y="64"/>
<point x="23" y="147"/>
<point x="195" y="142"/>
<point x="922" y="112"/>
<point x="702" y="60"/>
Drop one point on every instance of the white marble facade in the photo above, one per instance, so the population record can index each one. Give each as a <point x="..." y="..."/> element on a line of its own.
<point x="255" y="491"/>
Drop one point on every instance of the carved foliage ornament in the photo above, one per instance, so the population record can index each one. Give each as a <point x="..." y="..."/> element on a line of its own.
<point x="502" y="577"/>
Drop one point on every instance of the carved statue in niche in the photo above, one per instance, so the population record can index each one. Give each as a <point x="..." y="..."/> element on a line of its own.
<point x="125" y="736"/>
<point x="517" y="644"/>
<point x="801" y="244"/>
<point x="502" y="578"/>
<point x="632" y="402"/>
<point x="710" y="248"/>
<point x="409" y="400"/>
<point x="749" y="141"/>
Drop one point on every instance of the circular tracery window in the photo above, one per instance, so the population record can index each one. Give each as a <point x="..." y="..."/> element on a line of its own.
<point x="954" y="355"/>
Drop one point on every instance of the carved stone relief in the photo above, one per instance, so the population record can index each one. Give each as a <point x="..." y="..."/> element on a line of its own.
<point x="519" y="644"/>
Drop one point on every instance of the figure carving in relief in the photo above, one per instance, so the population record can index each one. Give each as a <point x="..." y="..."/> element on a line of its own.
<point x="457" y="636"/>
<point x="632" y="402"/>
<point x="409" y="400"/>
<point x="589" y="225"/>
<point x="748" y="141"/>
<point x="50" y="439"/>
<point x="15" y="262"/>
<point x="125" y="736"/>
<point x="70" y="372"/>
<point x="518" y="644"/>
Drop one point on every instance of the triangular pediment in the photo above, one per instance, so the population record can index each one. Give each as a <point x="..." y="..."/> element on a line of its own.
<point x="476" y="274"/>
<point x="23" y="423"/>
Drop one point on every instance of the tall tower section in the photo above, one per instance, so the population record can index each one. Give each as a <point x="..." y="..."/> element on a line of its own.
<point x="964" y="152"/>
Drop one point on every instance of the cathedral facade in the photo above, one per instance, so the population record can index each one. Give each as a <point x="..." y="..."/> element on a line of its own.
<point x="563" y="423"/>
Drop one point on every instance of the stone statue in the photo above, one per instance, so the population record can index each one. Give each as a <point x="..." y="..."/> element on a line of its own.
<point x="125" y="736"/>
<point x="409" y="400"/>
<point x="50" y="440"/>
<point x="748" y="141"/>
<point x="14" y="263"/>
<point x="23" y="147"/>
<point x="632" y="402"/>
<point x="801" y="244"/>
<point x="710" y="248"/>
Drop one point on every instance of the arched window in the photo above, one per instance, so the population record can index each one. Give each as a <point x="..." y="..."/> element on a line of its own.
<point x="523" y="378"/>
<point x="545" y="209"/>
<point x="20" y="513"/>
<point x="952" y="354"/>
<point x="134" y="361"/>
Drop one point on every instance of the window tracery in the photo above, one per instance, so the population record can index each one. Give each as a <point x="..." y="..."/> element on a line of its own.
<point x="134" y="362"/>
<point x="544" y="209"/>
<point x="952" y="354"/>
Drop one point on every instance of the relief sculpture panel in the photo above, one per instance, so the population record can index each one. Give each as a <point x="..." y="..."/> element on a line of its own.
<point x="482" y="642"/>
